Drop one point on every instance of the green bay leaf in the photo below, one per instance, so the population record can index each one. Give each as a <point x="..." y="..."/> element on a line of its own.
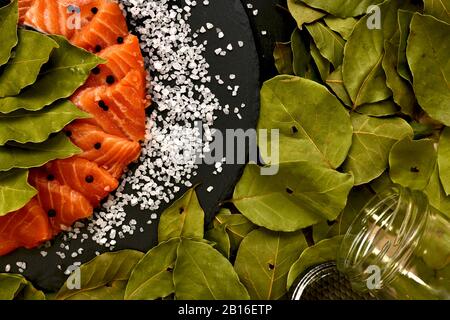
<point x="336" y="83"/>
<point x="438" y="8"/>
<point x="427" y="52"/>
<point x="404" y="22"/>
<point x="152" y="278"/>
<point x="307" y="111"/>
<point x="16" y="287"/>
<point x="184" y="218"/>
<point x="301" y="194"/>
<point x="9" y="16"/>
<point x="220" y="237"/>
<point x="31" y="155"/>
<point x="411" y="163"/>
<point x="402" y="91"/>
<point x="444" y="159"/>
<point x="379" y="109"/>
<point x="264" y="259"/>
<point x="32" y="52"/>
<point x="324" y="251"/>
<point x="302" y="13"/>
<point x="236" y="225"/>
<point x="15" y="192"/>
<point x="203" y="273"/>
<point x="343" y="8"/>
<point x="330" y="44"/>
<point x="102" y="271"/>
<point x="15" y="126"/>
<point x="373" y="139"/>
<point x="436" y="194"/>
<point x="343" y="26"/>
<point x="323" y="65"/>
<point x="282" y="55"/>
<point x="363" y="74"/>
<point x="300" y="54"/>
<point x="67" y="69"/>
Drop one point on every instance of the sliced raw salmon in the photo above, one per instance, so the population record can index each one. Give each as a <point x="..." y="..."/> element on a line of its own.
<point x="104" y="30"/>
<point x="89" y="101"/>
<point x="24" y="6"/>
<point x="27" y="227"/>
<point x="63" y="205"/>
<point x="121" y="59"/>
<point x="111" y="153"/>
<point x="85" y="177"/>
<point x="119" y="109"/>
<point x="63" y="17"/>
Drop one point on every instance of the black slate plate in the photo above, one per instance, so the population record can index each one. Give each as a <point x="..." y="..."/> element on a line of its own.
<point x="230" y="16"/>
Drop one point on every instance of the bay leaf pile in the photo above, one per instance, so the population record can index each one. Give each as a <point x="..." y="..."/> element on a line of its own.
<point x="37" y="74"/>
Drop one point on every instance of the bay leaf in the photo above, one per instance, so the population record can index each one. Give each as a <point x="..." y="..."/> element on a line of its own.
<point x="427" y="52"/>
<point x="282" y="55"/>
<point x="102" y="271"/>
<point x="402" y="91"/>
<point x="264" y="259"/>
<point x="15" y="126"/>
<point x="9" y="16"/>
<point x="15" y="192"/>
<point x="357" y="199"/>
<point x="362" y="71"/>
<point x="330" y="44"/>
<point x="202" y="273"/>
<point x="113" y="291"/>
<point x="404" y="22"/>
<point x="300" y="54"/>
<point x="31" y="53"/>
<point x="323" y="65"/>
<point x="220" y="237"/>
<point x="373" y="139"/>
<point x="336" y="83"/>
<point x="344" y="8"/>
<point x="324" y="251"/>
<point x="438" y="8"/>
<point x="236" y="225"/>
<point x="436" y="194"/>
<point x="16" y="287"/>
<point x="300" y="195"/>
<point x="16" y="155"/>
<point x="302" y="13"/>
<point x="444" y="159"/>
<point x="67" y="69"/>
<point x="307" y="111"/>
<point x="343" y="26"/>
<point x="411" y="163"/>
<point x="184" y="218"/>
<point x="379" y="109"/>
<point x="152" y="277"/>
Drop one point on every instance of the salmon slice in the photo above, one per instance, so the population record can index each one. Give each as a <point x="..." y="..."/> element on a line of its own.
<point x="121" y="59"/>
<point x="85" y="177"/>
<point x="63" y="205"/>
<point x="27" y="227"/>
<point x="112" y="153"/>
<point x="89" y="101"/>
<point x="24" y="6"/>
<point x="104" y="30"/>
<point x="119" y="109"/>
<point x="63" y="17"/>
